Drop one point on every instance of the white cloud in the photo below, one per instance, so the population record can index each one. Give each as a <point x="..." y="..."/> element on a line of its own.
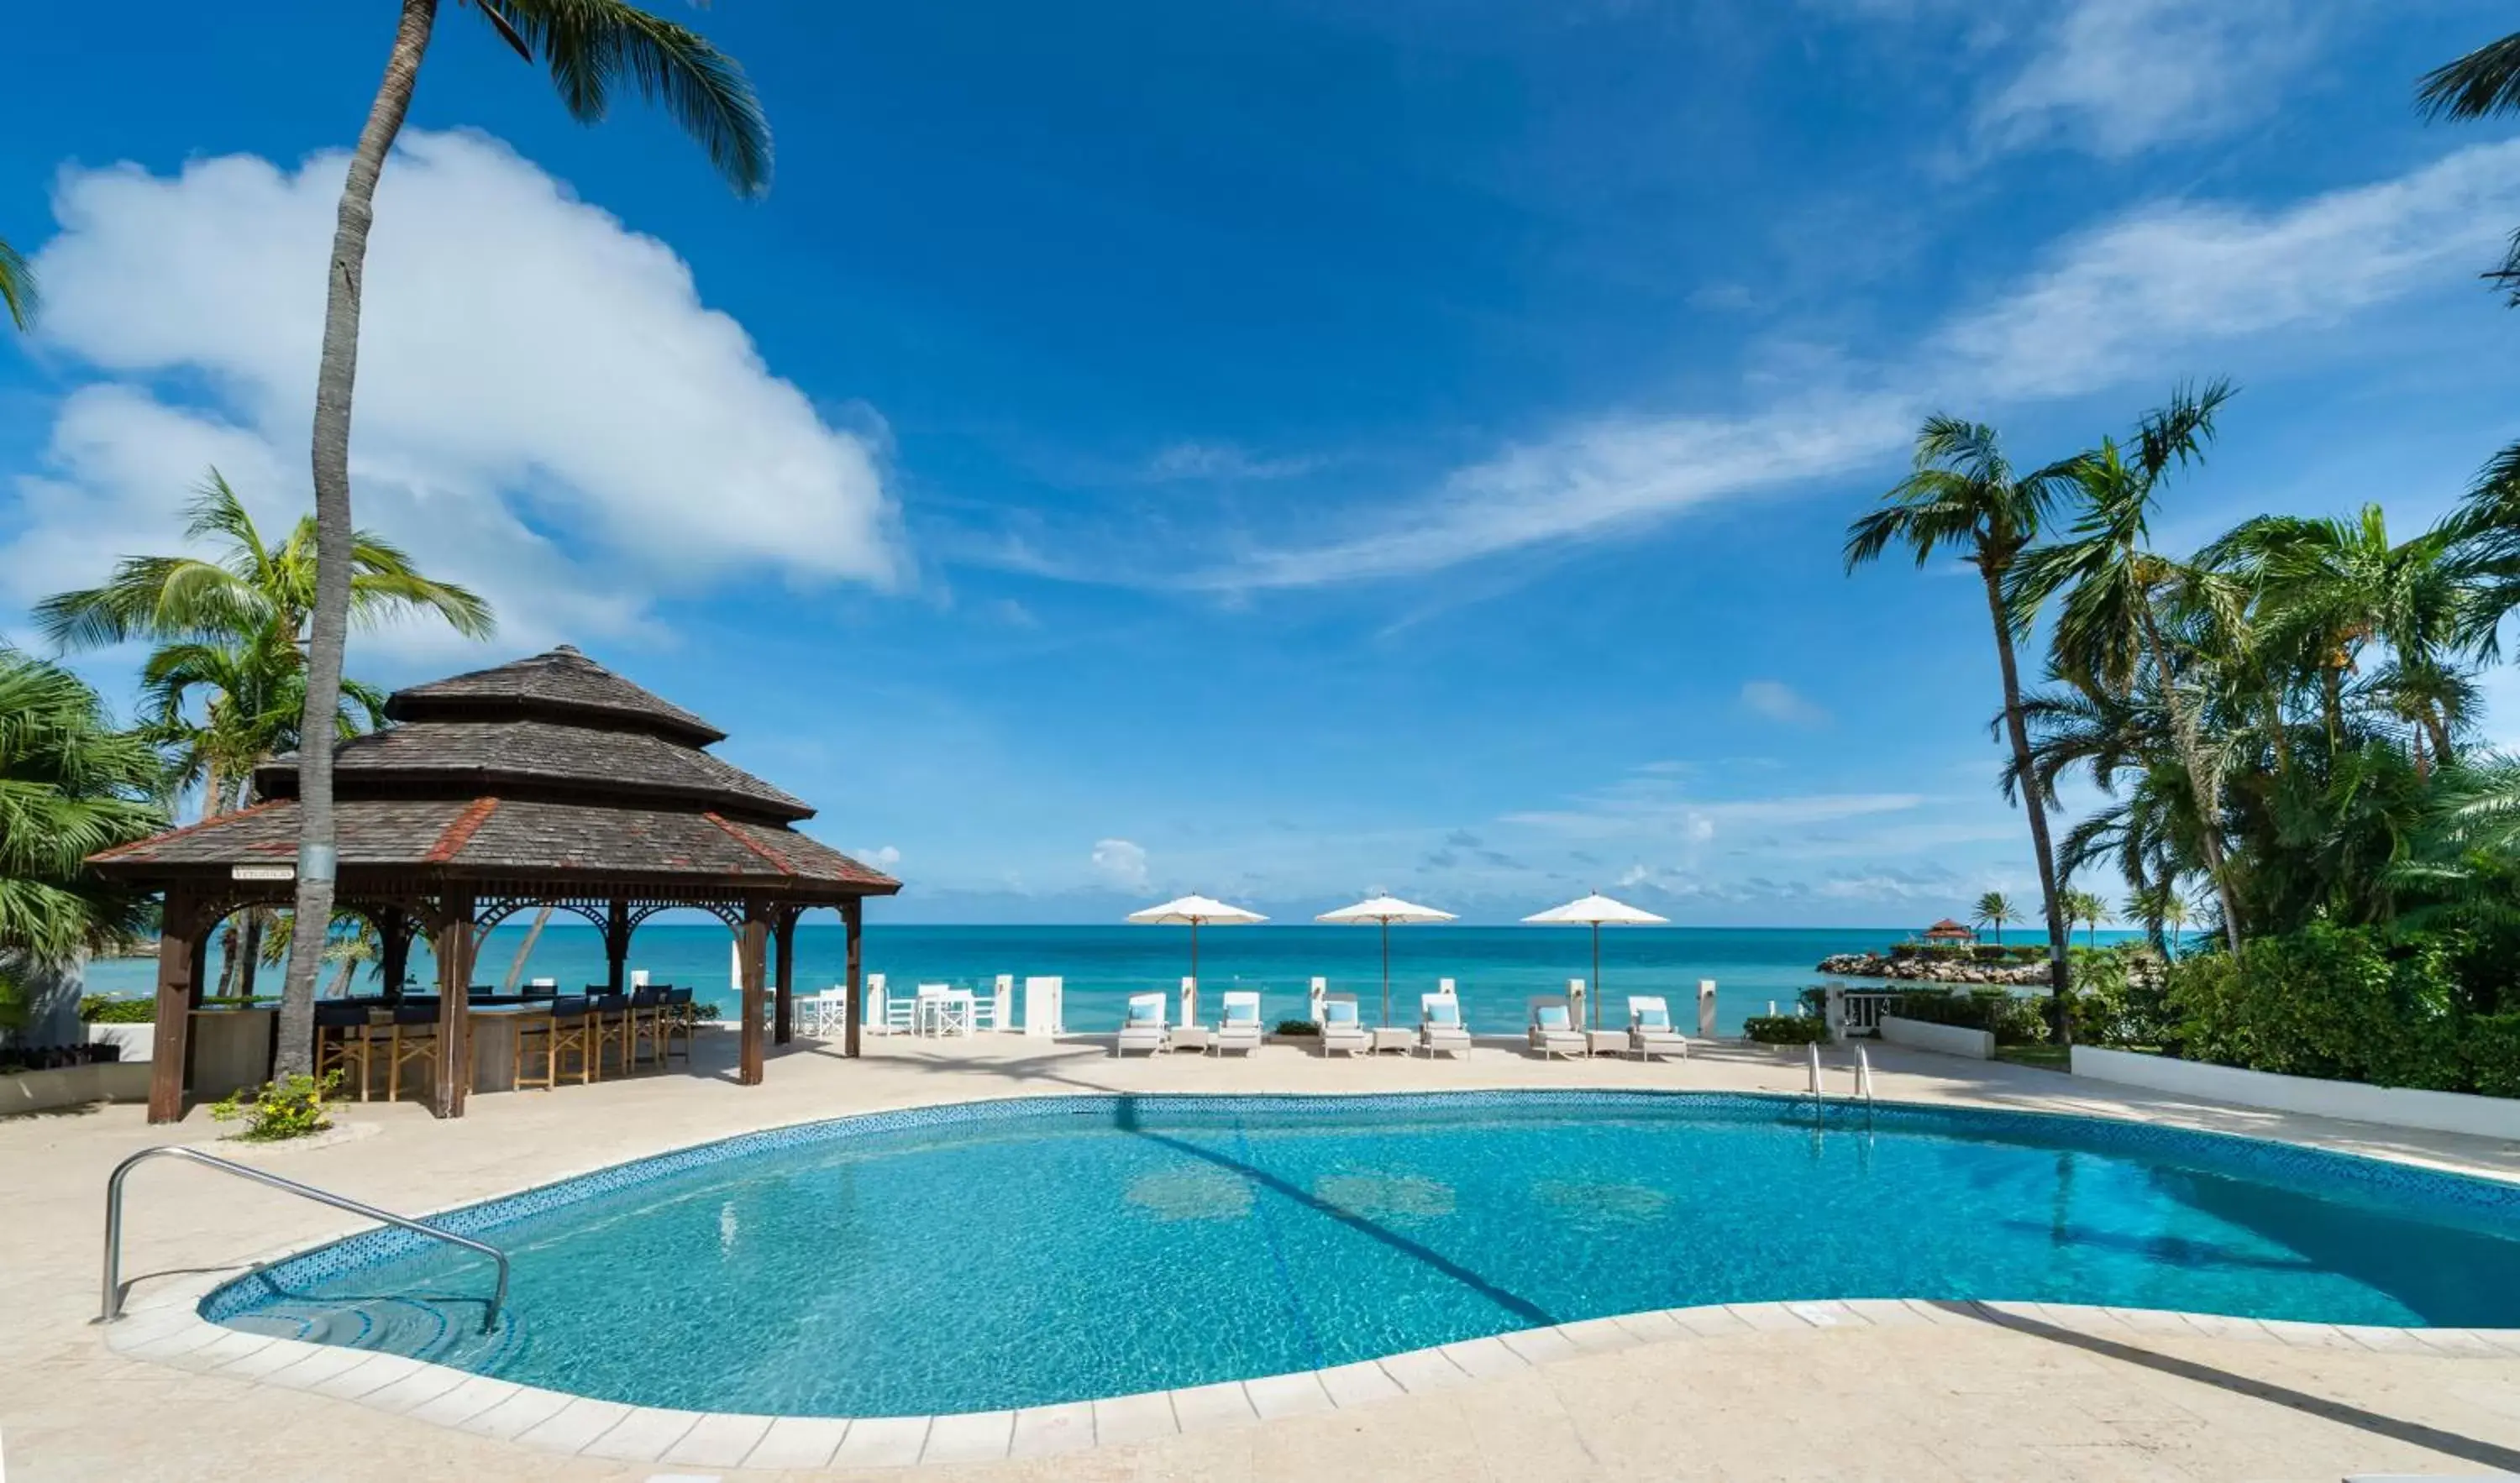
<point x="883" y="857"/>
<point x="2117" y="77"/>
<point x="1121" y="863"/>
<point x="1779" y="702"/>
<point x="2109" y="306"/>
<point x="1221" y="463"/>
<point x="2114" y="300"/>
<point x="527" y="365"/>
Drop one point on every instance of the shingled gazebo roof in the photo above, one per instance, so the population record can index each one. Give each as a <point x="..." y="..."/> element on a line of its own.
<point x="548" y="776"/>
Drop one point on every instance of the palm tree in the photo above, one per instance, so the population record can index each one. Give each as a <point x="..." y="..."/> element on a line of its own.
<point x="591" y="47"/>
<point x="1964" y="496"/>
<point x="1995" y="909"/>
<point x="2088" y="907"/>
<point x="232" y="629"/>
<point x="2328" y="589"/>
<point x="17" y="288"/>
<point x="70" y="785"/>
<point x="2109" y="637"/>
<point x="2479" y="85"/>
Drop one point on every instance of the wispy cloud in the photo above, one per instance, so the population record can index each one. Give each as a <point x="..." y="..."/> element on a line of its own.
<point x="2117" y="77"/>
<point x="1221" y="463"/>
<point x="2108" y="305"/>
<point x="1778" y="702"/>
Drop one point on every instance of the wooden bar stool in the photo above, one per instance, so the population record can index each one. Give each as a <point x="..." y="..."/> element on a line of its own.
<point x="676" y="1024"/>
<point x="414" y="1038"/>
<point x="647" y="1026"/>
<point x="608" y="1025"/>
<point x="342" y="1041"/>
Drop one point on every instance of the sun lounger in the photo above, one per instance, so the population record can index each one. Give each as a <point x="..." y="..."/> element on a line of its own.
<point x="1144" y="1030"/>
<point x="1240" y="1028"/>
<point x="1439" y="1023"/>
<point x="1341" y="1029"/>
<point x="1650" y="1033"/>
<point x="1552" y="1028"/>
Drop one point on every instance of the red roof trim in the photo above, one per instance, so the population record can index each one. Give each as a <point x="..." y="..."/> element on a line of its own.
<point x="748" y="842"/>
<point x="460" y="834"/>
<point x="120" y="850"/>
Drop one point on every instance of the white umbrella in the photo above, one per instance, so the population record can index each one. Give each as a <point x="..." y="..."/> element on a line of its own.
<point x="1596" y="911"/>
<point x="1385" y="910"/>
<point x="1193" y="912"/>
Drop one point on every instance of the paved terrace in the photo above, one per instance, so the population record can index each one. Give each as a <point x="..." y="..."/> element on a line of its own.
<point x="1863" y="1390"/>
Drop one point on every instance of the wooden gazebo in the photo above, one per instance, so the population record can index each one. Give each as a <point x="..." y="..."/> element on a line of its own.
<point x="549" y="781"/>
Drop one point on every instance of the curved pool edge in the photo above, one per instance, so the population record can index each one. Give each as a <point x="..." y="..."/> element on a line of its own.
<point x="170" y="1327"/>
<point x="171" y="1332"/>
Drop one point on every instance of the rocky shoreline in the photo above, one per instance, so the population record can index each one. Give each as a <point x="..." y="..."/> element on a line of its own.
<point x="1934" y="970"/>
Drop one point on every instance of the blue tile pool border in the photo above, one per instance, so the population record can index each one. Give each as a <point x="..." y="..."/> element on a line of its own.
<point x="2442" y="1190"/>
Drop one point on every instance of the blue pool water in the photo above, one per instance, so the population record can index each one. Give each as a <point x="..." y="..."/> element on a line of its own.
<point x="1007" y="1254"/>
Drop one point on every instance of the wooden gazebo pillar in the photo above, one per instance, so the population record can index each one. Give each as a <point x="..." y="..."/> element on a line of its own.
<point x="453" y="943"/>
<point x="394" y="931"/>
<point x="784" y="939"/>
<point x="751" y="941"/>
<point x="617" y="944"/>
<point x="853" y="919"/>
<point x="180" y="938"/>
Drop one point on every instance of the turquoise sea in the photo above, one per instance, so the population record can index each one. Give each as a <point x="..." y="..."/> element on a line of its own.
<point x="1495" y="968"/>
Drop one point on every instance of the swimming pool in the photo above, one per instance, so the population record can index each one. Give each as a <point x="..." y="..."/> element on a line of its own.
<point x="1002" y="1254"/>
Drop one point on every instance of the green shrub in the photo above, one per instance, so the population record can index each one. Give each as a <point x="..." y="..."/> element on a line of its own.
<point x="1785" y="1029"/>
<point x="2345" y="1003"/>
<point x="704" y="1009"/>
<point x="294" y="1107"/>
<point x="2014" y="1020"/>
<point x="1297" y="1027"/>
<point x="2121" y="998"/>
<point x="98" y="1009"/>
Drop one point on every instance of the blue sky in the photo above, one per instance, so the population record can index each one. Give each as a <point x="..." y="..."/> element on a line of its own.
<point x="1279" y="450"/>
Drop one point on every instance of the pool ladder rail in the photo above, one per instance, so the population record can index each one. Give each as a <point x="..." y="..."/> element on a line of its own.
<point x="112" y="1306"/>
<point x="1863" y="1077"/>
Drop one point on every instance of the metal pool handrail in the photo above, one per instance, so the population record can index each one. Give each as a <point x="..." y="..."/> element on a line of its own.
<point x="113" y="1308"/>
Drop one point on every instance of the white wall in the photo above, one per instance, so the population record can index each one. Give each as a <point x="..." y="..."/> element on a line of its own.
<point x="1950" y="1039"/>
<point x="2355" y="1101"/>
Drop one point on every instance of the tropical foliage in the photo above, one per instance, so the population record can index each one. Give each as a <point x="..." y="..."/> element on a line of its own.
<point x="592" y="48"/>
<point x="17" y="288"/>
<point x="224" y="688"/>
<point x="70" y="785"/>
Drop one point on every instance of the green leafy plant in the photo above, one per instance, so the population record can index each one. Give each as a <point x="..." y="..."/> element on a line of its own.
<point x="293" y="1107"/>
<point x="1786" y="1030"/>
<point x="1297" y="1027"/>
<point x="2014" y="1020"/>
<point x="98" y="1009"/>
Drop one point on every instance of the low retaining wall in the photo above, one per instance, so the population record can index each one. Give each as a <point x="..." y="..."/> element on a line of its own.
<point x="2351" y="1101"/>
<point x="138" y="1041"/>
<point x="1950" y="1039"/>
<point x="74" y="1086"/>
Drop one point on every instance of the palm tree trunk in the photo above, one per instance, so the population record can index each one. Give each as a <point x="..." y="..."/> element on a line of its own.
<point x="2059" y="932"/>
<point x="2439" y="729"/>
<point x="2206" y="792"/>
<point x="328" y="631"/>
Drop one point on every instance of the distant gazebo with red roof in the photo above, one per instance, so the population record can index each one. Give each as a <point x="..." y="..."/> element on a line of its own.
<point x="1954" y="932"/>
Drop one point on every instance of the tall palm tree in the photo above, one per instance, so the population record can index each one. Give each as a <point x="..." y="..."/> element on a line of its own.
<point x="232" y="629"/>
<point x="70" y="785"/>
<point x="1995" y="909"/>
<point x="591" y="47"/>
<point x="1963" y="496"/>
<point x="2089" y="908"/>
<point x="17" y="288"/>
<point x="2479" y="85"/>
<point x="2330" y="589"/>
<point x="2110" y="636"/>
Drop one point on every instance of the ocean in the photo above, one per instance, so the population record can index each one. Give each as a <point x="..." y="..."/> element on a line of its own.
<point x="1495" y="968"/>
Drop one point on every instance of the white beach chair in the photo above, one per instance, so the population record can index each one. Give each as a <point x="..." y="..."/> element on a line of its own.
<point x="1650" y="1033"/>
<point x="1239" y="1028"/>
<point x="1143" y="1028"/>
<point x="1552" y="1028"/>
<point x="1341" y="1029"/>
<point x="900" y="1014"/>
<point x="1439" y="1023"/>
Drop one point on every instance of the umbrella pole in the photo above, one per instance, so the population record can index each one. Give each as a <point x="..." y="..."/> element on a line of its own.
<point x="1193" y="952"/>
<point x="1596" y="975"/>
<point x="1387" y="972"/>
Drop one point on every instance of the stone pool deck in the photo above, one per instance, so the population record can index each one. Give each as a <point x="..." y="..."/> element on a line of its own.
<point x="1872" y="1390"/>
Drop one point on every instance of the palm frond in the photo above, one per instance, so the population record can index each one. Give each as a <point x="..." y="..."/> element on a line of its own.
<point x="17" y="294"/>
<point x="590" y="46"/>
